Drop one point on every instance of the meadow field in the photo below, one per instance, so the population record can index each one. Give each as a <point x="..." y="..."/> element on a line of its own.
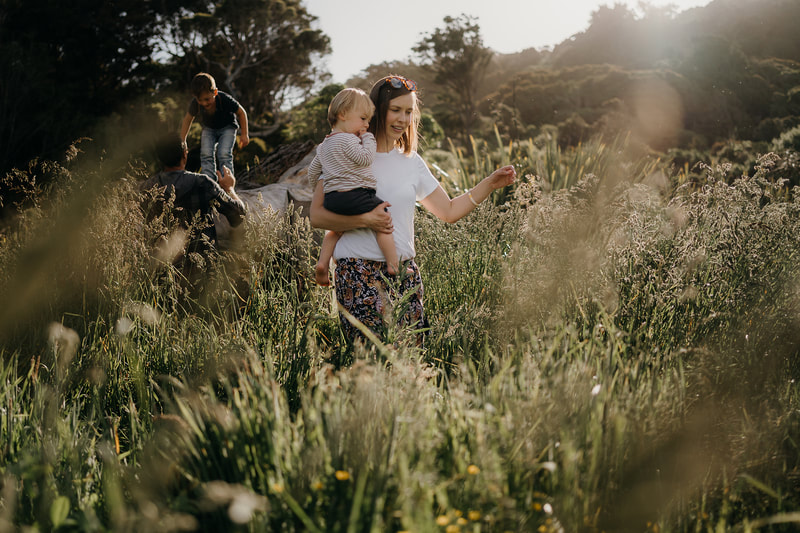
<point x="613" y="346"/>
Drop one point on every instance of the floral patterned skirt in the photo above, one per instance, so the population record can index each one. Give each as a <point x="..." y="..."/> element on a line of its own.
<point x="366" y="291"/>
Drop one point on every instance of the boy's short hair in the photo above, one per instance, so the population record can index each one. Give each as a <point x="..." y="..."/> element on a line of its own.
<point x="203" y="83"/>
<point x="347" y="100"/>
<point x="170" y="149"/>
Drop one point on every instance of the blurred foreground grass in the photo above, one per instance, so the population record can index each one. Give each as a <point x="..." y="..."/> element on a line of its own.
<point x="609" y="351"/>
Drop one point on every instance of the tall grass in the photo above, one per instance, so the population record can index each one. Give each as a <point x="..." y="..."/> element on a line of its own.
<point x="606" y="353"/>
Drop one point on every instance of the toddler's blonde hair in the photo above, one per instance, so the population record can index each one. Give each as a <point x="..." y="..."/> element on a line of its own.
<point x="348" y="100"/>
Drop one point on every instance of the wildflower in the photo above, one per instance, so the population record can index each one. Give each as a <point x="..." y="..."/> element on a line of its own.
<point x="277" y="487"/>
<point x="596" y="390"/>
<point x="168" y="248"/>
<point x="244" y="505"/>
<point x="452" y="528"/>
<point x="537" y="506"/>
<point x="442" y="520"/>
<point x="123" y="326"/>
<point x="474" y="515"/>
<point x="473" y="470"/>
<point x="64" y="342"/>
<point x="317" y="486"/>
<point x="547" y="508"/>
<point x="342" y="475"/>
<point x="462" y="521"/>
<point x="145" y="312"/>
<point x="241" y="502"/>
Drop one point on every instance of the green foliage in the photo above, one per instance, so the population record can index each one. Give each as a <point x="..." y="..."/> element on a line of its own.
<point x="430" y="131"/>
<point x="611" y="347"/>
<point x="309" y="121"/>
<point x="458" y="58"/>
<point x="259" y="50"/>
<point x="544" y="159"/>
<point x="64" y="70"/>
<point x="702" y="82"/>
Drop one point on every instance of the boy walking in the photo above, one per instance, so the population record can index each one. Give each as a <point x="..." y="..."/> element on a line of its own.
<point x="221" y="116"/>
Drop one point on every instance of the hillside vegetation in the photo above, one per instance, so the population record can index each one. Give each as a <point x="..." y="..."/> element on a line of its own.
<point x="690" y="87"/>
<point x="613" y="341"/>
<point x="613" y="353"/>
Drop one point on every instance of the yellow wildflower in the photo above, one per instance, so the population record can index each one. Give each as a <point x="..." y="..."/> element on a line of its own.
<point x="342" y="475"/>
<point x="277" y="488"/>
<point x="452" y="529"/>
<point x="442" y="520"/>
<point x="474" y="515"/>
<point x="473" y="470"/>
<point x="536" y="506"/>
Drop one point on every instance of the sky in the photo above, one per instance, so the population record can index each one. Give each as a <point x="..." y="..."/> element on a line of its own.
<point x="367" y="32"/>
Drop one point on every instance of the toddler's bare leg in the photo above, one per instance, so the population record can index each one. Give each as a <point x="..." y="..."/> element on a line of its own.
<point x="386" y="244"/>
<point x="325" y="255"/>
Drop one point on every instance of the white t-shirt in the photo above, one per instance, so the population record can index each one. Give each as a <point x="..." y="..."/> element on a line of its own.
<point x="402" y="180"/>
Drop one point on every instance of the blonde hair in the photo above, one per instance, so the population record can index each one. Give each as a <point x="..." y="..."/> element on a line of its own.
<point x="347" y="100"/>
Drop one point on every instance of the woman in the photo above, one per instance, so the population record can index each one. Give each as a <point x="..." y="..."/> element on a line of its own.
<point x="403" y="179"/>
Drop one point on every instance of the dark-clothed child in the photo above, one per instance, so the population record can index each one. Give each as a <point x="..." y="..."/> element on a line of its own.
<point x="221" y="116"/>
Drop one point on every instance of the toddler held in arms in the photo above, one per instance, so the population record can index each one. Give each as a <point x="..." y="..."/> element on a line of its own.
<point x="344" y="161"/>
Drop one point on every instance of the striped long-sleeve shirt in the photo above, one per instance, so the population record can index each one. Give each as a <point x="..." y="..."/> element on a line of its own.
<point x="345" y="162"/>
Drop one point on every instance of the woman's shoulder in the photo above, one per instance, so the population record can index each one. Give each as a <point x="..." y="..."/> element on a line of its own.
<point x="419" y="162"/>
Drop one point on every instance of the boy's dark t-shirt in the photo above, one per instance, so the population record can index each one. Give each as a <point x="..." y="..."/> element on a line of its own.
<point x="225" y="114"/>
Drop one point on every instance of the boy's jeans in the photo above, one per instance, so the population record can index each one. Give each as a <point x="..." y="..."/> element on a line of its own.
<point x="219" y="142"/>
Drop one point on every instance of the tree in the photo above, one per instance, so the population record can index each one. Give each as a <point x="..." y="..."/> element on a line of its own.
<point x="64" y="65"/>
<point x="459" y="60"/>
<point x="261" y="51"/>
<point x="309" y="121"/>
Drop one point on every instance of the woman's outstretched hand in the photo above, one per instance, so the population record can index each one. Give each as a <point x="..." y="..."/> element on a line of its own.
<point x="379" y="219"/>
<point x="502" y="177"/>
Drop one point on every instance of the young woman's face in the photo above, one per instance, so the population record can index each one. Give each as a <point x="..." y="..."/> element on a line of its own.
<point x="399" y="116"/>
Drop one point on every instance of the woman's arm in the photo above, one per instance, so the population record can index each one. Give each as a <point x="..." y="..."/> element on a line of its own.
<point x="378" y="219"/>
<point x="452" y="210"/>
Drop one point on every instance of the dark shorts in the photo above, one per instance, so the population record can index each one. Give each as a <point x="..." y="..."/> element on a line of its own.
<point x="363" y="291"/>
<point x="352" y="202"/>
